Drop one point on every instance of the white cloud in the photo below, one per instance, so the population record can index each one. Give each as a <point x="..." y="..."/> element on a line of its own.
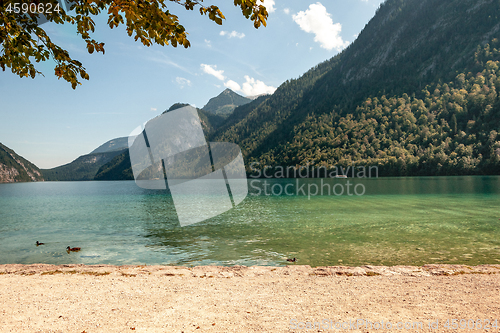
<point x="182" y="81"/>
<point x="256" y="87"/>
<point x="153" y="109"/>
<point x="318" y="21"/>
<point x="250" y="87"/>
<point x="211" y="69"/>
<point x="286" y="11"/>
<point x="269" y="4"/>
<point x="232" y="34"/>
<point x="232" y="85"/>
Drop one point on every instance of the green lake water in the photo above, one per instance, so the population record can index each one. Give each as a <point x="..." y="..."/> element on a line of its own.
<point x="408" y="221"/>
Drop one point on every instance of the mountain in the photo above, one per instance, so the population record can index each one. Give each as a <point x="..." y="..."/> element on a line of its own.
<point x="225" y="103"/>
<point x="238" y="114"/>
<point x="14" y="168"/>
<point x="84" y="167"/>
<point x="111" y="160"/>
<point x="415" y="94"/>
<point x="112" y="145"/>
<point x="209" y="121"/>
<point x="119" y="168"/>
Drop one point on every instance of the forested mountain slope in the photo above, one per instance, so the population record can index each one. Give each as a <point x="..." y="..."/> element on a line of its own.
<point x="415" y="94"/>
<point x="84" y="167"/>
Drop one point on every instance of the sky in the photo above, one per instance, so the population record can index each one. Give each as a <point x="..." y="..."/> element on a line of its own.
<point x="50" y="124"/>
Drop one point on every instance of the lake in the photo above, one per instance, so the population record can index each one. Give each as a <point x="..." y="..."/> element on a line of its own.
<point x="387" y="221"/>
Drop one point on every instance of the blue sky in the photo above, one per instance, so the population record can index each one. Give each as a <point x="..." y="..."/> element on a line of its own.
<point x="50" y="124"/>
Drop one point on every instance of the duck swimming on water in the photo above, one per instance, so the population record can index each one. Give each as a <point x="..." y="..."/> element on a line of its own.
<point x="38" y="243"/>
<point x="73" y="249"/>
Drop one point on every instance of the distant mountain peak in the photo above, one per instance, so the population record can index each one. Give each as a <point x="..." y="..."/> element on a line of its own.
<point x="225" y="103"/>
<point x="112" y="145"/>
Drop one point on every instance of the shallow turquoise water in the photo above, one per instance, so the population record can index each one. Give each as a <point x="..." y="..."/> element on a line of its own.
<point x="396" y="221"/>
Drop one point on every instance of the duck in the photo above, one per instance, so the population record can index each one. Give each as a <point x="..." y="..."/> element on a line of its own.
<point x="73" y="248"/>
<point x="292" y="260"/>
<point x="38" y="243"/>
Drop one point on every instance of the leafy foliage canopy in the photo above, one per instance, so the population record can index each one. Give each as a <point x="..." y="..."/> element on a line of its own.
<point x="23" y="41"/>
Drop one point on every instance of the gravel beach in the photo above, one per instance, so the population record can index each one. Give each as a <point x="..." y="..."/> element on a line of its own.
<point x="79" y="298"/>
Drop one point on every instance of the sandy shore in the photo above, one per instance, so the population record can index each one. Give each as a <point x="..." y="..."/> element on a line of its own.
<point x="78" y="298"/>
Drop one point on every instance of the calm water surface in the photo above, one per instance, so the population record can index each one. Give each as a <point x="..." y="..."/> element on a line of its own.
<point x="397" y="221"/>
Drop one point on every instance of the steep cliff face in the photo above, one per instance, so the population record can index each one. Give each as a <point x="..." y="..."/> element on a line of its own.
<point x="14" y="168"/>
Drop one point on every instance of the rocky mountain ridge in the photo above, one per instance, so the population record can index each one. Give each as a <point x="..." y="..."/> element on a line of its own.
<point x="14" y="168"/>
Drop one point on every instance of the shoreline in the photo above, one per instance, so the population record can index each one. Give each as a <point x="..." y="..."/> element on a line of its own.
<point x="106" y="298"/>
<point x="251" y="271"/>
